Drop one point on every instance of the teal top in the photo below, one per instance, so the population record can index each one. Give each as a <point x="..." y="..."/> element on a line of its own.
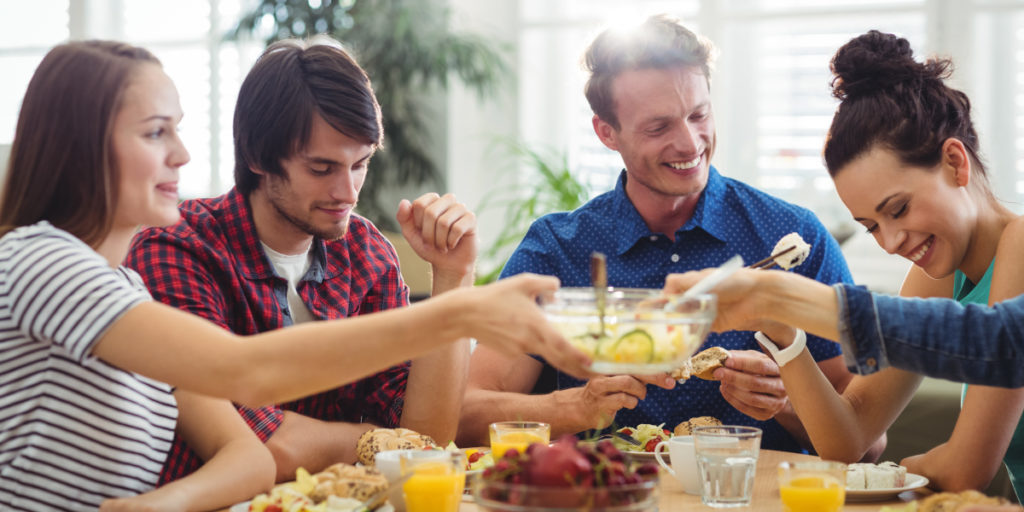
<point x="966" y="292"/>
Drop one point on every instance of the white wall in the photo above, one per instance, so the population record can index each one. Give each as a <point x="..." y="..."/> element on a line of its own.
<point x="474" y="126"/>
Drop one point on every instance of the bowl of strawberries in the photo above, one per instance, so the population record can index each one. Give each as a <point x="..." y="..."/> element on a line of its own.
<point x="567" y="475"/>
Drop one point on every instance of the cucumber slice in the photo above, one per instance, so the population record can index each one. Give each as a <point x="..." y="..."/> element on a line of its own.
<point x="635" y="346"/>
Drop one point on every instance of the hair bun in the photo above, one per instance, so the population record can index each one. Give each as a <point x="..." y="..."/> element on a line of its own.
<point x="876" y="61"/>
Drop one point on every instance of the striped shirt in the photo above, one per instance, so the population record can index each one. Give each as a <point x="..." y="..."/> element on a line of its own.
<point x="73" y="429"/>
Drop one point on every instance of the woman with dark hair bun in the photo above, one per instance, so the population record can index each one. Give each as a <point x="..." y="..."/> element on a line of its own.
<point x="905" y="159"/>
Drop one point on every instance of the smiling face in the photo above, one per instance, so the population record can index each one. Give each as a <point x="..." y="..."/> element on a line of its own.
<point x="318" y="192"/>
<point x="666" y="133"/>
<point x="922" y="214"/>
<point x="147" y="150"/>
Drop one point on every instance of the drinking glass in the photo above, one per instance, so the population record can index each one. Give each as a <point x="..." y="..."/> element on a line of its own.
<point x="812" y="486"/>
<point x="517" y="434"/>
<point x="727" y="460"/>
<point x="436" y="484"/>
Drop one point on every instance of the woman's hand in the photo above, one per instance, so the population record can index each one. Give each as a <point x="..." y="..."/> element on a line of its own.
<point x="738" y="307"/>
<point x="505" y="316"/>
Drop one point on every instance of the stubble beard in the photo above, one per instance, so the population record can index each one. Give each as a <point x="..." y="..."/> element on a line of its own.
<point x="308" y="228"/>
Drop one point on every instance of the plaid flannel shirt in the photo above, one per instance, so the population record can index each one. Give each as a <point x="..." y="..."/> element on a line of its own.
<point x="211" y="263"/>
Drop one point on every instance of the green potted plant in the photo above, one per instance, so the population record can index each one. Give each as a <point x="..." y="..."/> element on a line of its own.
<point x="406" y="47"/>
<point x="549" y="187"/>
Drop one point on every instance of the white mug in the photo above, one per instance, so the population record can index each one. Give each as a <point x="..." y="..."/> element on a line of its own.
<point x="684" y="462"/>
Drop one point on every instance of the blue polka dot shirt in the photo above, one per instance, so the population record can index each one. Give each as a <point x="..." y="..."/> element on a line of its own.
<point x="730" y="218"/>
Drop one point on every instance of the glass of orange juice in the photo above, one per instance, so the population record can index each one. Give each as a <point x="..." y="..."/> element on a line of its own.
<point x="436" y="483"/>
<point x="812" y="486"/>
<point x="506" y="435"/>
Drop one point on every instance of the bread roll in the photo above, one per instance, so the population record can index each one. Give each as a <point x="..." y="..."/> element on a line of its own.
<point x="707" y="361"/>
<point x="686" y="428"/>
<point x="382" y="439"/>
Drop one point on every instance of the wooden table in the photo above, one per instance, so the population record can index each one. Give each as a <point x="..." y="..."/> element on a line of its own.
<point x="766" y="490"/>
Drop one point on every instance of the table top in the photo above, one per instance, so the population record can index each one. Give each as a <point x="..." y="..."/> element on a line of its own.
<point x="766" y="490"/>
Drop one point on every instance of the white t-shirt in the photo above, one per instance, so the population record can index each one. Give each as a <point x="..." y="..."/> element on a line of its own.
<point x="73" y="429"/>
<point x="293" y="267"/>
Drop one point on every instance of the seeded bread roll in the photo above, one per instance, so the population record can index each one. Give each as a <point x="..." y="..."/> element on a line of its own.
<point x="348" y="481"/>
<point x="707" y="361"/>
<point x="686" y="428"/>
<point x="382" y="439"/>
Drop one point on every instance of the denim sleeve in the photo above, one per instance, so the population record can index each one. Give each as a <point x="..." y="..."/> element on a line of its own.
<point x="935" y="337"/>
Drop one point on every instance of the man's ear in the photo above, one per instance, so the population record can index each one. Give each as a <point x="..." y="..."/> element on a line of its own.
<point x="606" y="133"/>
<point x="955" y="161"/>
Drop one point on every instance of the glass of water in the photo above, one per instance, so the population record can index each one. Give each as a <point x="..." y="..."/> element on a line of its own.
<point x="726" y="460"/>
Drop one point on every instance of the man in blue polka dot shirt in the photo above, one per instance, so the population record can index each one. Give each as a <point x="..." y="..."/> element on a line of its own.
<point x="671" y="211"/>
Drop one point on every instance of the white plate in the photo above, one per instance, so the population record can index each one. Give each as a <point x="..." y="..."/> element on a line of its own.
<point x="244" y="507"/>
<point x="913" y="482"/>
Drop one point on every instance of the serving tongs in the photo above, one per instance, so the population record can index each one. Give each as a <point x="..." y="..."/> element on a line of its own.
<point x="599" y="281"/>
<point x="770" y="262"/>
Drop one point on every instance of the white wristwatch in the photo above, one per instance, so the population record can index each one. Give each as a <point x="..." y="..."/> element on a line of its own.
<point x="783" y="356"/>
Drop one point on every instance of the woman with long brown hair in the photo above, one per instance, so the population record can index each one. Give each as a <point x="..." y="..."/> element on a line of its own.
<point x="94" y="376"/>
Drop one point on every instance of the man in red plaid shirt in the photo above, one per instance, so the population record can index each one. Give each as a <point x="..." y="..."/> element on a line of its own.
<point x="284" y="247"/>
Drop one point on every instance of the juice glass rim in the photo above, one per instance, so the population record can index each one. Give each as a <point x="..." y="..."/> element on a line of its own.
<point x="812" y="465"/>
<point x="520" y="424"/>
<point x="408" y="462"/>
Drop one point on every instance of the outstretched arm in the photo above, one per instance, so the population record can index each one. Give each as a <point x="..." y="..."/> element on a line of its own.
<point x="935" y="337"/>
<point x="285" y="364"/>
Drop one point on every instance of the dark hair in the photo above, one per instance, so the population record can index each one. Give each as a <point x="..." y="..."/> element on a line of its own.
<point x="61" y="166"/>
<point x="889" y="98"/>
<point x="292" y="82"/>
<point x="661" y="42"/>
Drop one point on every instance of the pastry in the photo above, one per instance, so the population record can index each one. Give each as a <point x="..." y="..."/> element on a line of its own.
<point x="381" y="439"/>
<point x="348" y="481"/>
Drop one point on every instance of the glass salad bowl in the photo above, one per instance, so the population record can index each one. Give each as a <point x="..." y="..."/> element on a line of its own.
<point x="643" y="331"/>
